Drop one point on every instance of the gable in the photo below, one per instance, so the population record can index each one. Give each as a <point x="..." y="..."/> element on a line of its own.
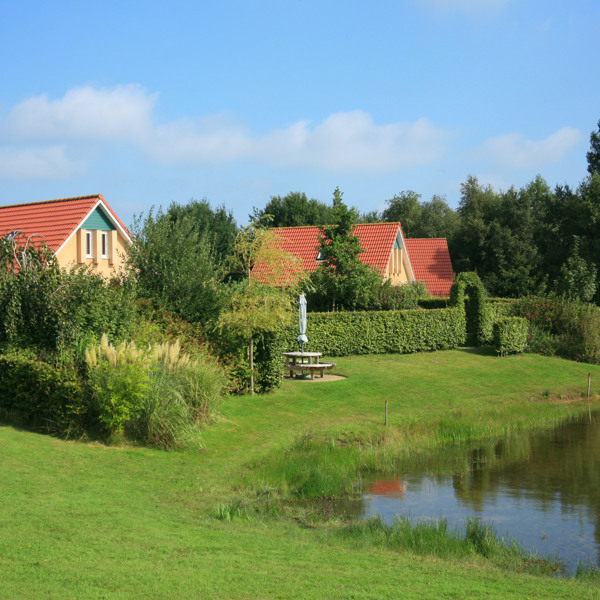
<point x="56" y="221"/>
<point x="98" y="220"/>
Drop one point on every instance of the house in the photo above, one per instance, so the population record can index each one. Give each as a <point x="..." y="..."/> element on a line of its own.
<point x="385" y="250"/>
<point x="80" y="231"/>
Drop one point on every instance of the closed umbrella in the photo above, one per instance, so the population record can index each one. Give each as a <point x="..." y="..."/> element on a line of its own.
<point x="302" y="339"/>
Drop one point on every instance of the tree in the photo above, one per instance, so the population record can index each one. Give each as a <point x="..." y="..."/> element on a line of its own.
<point x="293" y="210"/>
<point x="404" y="207"/>
<point x="593" y="156"/>
<point x="174" y="262"/>
<point x="263" y="300"/>
<point x="342" y="280"/>
<point x="217" y="226"/>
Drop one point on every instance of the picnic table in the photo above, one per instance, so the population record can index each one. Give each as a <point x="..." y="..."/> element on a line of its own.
<point x="306" y="361"/>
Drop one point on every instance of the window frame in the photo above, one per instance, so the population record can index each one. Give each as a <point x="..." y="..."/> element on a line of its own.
<point x="104" y="244"/>
<point x="89" y="244"/>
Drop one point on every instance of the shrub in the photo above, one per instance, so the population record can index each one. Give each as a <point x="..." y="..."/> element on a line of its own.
<point x="510" y="335"/>
<point x="493" y="309"/>
<point x="467" y="293"/>
<point x="38" y="394"/>
<point x="402" y="297"/>
<point x="377" y="332"/>
<point x="577" y="329"/>
<point x="160" y="396"/>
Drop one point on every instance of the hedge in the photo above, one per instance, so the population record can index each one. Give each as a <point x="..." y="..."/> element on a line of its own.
<point x="378" y="332"/>
<point x="510" y="335"/>
<point x="493" y="309"/>
<point x="38" y="394"/>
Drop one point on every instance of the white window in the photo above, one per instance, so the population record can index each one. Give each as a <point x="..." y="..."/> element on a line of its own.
<point x="104" y="238"/>
<point x="89" y="245"/>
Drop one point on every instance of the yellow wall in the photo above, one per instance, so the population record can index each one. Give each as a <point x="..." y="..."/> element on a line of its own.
<point x="398" y="268"/>
<point x="73" y="252"/>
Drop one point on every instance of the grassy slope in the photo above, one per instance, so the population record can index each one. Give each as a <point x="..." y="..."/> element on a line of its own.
<point x="85" y="521"/>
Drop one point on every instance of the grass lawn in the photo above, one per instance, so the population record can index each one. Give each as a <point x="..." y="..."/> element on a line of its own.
<point x="88" y="521"/>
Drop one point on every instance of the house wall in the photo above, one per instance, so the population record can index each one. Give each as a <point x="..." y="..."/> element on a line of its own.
<point x="74" y="251"/>
<point x="398" y="268"/>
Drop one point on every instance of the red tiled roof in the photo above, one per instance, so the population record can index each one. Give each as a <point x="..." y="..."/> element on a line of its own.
<point x="430" y="261"/>
<point x="55" y="220"/>
<point x="429" y="257"/>
<point x="376" y="239"/>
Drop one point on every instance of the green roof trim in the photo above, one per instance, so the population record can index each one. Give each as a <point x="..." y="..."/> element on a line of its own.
<point x="98" y="220"/>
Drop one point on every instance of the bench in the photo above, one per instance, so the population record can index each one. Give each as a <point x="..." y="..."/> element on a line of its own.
<point x="311" y="368"/>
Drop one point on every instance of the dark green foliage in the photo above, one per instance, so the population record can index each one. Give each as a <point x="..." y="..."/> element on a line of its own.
<point x="431" y="219"/>
<point x="175" y="264"/>
<point x="593" y="156"/>
<point x="510" y="335"/>
<point x="467" y="293"/>
<point x="342" y="281"/>
<point x="37" y="394"/>
<point x="270" y="347"/>
<point x="350" y="333"/>
<point x="293" y="210"/>
<point x="217" y="226"/>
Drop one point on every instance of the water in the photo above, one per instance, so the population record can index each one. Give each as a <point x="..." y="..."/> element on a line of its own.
<point x="542" y="489"/>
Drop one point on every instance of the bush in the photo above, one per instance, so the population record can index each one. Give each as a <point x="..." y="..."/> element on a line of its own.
<point x="467" y="293"/>
<point x="377" y="332"/>
<point x="577" y="328"/>
<point x="38" y="394"/>
<point x="159" y="396"/>
<point x="510" y="335"/>
<point x="493" y="309"/>
<point x="402" y="297"/>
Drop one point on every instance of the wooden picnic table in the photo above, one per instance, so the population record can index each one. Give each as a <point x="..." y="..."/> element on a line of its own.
<point x="306" y="361"/>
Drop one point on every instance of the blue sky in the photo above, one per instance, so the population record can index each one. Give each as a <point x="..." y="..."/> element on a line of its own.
<point x="235" y="102"/>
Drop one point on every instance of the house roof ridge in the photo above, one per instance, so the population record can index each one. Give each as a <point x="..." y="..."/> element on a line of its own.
<point x="56" y="200"/>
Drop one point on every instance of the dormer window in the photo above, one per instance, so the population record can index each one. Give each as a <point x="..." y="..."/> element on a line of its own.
<point x="320" y="256"/>
<point x="89" y="245"/>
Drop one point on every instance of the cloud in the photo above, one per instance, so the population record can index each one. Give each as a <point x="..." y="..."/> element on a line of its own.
<point x="513" y="151"/>
<point x="84" y="113"/>
<point x="35" y="163"/>
<point x="351" y="141"/>
<point x="89" y="117"/>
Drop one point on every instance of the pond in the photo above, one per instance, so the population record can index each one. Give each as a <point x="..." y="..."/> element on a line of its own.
<point x="542" y="489"/>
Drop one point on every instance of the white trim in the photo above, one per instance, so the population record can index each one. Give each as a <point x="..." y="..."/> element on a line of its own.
<point x="107" y="213"/>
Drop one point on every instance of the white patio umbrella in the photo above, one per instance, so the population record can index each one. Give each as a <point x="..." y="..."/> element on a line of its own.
<point x="302" y="339"/>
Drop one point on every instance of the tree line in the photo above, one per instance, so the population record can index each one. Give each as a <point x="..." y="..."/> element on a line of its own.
<point x="528" y="240"/>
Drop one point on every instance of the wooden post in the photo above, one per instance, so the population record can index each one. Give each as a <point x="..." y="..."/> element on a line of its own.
<point x="588" y="396"/>
<point x="386" y="412"/>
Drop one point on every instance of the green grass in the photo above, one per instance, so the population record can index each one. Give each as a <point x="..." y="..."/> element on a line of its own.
<point x="89" y="521"/>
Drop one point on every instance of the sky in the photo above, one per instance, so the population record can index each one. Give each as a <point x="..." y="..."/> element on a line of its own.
<point x="150" y="103"/>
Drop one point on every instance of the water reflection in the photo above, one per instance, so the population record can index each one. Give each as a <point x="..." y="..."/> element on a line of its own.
<point x="543" y="489"/>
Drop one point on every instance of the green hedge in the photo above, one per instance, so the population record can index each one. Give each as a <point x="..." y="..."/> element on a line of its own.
<point x="37" y="394"/>
<point x="467" y="292"/>
<point x="510" y="335"/>
<point x="378" y="332"/>
<point x="493" y="309"/>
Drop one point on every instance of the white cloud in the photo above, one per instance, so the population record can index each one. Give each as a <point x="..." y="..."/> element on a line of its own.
<point x="88" y="117"/>
<point x="351" y="141"/>
<point x="514" y="151"/>
<point x="84" y="113"/>
<point x="35" y="163"/>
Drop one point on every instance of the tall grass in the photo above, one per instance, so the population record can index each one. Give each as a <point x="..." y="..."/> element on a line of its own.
<point x="433" y="538"/>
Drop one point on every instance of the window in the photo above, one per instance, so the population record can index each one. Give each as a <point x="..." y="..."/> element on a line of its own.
<point x="89" y="245"/>
<point x="104" y="244"/>
<point x="320" y="256"/>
